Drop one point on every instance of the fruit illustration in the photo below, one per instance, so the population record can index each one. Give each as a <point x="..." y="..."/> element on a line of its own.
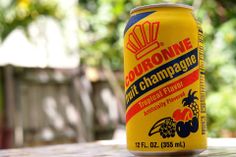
<point x="193" y="124"/>
<point x="184" y="121"/>
<point x="166" y="127"/>
<point x="184" y="129"/>
<point x="182" y="114"/>
<point x="190" y="102"/>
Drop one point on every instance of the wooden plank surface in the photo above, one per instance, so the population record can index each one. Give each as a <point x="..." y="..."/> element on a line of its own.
<point x="216" y="148"/>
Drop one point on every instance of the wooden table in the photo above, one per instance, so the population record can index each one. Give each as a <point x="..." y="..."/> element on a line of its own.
<point x="217" y="148"/>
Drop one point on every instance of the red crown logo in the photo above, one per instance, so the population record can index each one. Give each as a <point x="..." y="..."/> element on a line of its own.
<point x="143" y="39"/>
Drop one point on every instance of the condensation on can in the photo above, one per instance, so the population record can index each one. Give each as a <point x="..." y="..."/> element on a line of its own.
<point x="164" y="81"/>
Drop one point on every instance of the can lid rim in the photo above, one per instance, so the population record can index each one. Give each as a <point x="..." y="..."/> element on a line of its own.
<point x="160" y="5"/>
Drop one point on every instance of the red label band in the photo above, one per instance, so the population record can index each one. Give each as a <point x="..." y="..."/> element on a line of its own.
<point x="185" y="81"/>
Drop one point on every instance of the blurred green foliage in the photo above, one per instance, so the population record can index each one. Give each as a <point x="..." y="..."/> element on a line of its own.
<point x="20" y="13"/>
<point x="101" y="25"/>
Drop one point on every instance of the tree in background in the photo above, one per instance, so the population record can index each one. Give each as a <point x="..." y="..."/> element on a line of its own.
<point x="17" y="14"/>
<point x="219" y="24"/>
<point x="20" y="13"/>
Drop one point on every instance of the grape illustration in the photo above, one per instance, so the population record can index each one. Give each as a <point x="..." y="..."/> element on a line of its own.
<point x="168" y="128"/>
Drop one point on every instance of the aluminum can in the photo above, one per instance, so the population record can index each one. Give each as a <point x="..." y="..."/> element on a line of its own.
<point x="164" y="81"/>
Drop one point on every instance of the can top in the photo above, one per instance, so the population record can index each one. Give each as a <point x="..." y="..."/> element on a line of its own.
<point x="161" y="5"/>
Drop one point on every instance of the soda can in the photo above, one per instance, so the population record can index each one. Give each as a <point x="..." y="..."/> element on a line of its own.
<point x="164" y="81"/>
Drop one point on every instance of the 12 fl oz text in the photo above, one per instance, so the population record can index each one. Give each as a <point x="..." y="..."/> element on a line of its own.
<point x="162" y="145"/>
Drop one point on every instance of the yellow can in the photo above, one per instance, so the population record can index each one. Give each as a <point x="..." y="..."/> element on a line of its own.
<point x="164" y="81"/>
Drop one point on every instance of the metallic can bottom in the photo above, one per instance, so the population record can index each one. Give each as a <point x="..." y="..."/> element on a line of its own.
<point x="186" y="153"/>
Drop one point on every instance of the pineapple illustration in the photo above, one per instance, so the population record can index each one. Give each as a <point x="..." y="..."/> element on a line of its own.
<point x="190" y="101"/>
